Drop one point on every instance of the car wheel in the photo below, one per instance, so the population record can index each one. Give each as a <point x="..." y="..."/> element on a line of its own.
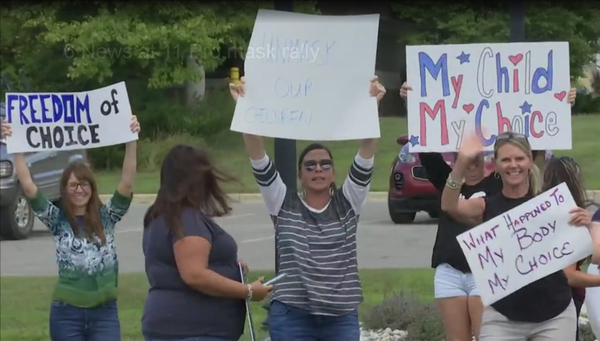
<point x="434" y="214"/>
<point x="403" y="217"/>
<point x="400" y="217"/>
<point x="17" y="219"/>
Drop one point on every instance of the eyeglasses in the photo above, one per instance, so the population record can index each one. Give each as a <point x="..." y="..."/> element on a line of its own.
<point x="72" y="186"/>
<point x="311" y="165"/>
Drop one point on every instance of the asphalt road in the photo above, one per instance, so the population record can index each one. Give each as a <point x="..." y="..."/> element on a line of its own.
<point x="381" y="244"/>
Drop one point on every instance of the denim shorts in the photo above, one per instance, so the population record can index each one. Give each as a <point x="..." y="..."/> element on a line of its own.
<point x="449" y="282"/>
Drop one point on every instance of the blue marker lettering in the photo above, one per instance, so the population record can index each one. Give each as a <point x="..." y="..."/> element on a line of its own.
<point x="426" y="63"/>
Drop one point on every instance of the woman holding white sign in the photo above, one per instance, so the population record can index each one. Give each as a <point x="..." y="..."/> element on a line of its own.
<point x="316" y="239"/>
<point x="84" y="302"/>
<point x="544" y="309"/>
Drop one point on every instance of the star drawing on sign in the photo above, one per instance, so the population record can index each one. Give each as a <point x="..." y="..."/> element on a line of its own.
<point x="464" y="58"/>
<point x="414" y="140"/>
<point x="525" y="108"/>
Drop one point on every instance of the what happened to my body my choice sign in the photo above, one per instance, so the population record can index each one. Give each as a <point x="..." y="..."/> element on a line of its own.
<point x="67" y="121"/>
<point x="521" y="87"/>
<point x="525" y="244"/>
<point x="307" y="77"/>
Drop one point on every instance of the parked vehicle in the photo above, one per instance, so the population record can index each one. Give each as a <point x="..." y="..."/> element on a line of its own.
<point x="16" y="216"/>
<point x="409" y="189"/>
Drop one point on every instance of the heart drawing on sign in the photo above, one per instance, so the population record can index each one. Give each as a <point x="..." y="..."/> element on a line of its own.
<point x="560" y="96"/>
<point x="516" y="59"/>
<point x="468" y="108"/>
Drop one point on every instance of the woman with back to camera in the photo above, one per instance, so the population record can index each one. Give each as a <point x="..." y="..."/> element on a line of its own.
<point x="196" y="291"/>
<point x="316" y="239"/>
<point x="84" y="301"/>
<point x="544" y="309"/>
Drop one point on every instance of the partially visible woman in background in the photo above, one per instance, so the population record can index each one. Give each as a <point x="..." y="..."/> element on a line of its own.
<point x="196" y="290"/>
<point x="84" y="301"/>
<point x="565" y="169"/>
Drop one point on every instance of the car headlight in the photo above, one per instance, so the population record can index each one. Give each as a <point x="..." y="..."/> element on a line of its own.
<point x="6" y="169"/>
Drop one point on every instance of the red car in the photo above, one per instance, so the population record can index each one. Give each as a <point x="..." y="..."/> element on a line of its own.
<point x="410" y="191"/>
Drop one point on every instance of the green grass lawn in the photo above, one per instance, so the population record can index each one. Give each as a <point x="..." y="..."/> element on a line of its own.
<point x="228" y="151"/>
<point x="25" y="301"/>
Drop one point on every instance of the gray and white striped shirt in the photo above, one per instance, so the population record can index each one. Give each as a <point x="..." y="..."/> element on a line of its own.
<point x="317" y="248"/>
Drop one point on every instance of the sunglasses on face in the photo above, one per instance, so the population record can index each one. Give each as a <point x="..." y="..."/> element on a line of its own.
<point x="311" y="165"/>
<point x="72" y="186"/>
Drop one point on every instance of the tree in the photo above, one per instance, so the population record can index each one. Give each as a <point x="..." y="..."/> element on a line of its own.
<point x="464" y="23"/>
<point x="100" y="38"/>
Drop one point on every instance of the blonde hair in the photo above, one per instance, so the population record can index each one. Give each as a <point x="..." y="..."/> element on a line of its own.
<point x="534" y="172"/>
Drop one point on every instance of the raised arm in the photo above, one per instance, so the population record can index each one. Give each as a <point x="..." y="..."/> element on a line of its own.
<point x="41" y="206"/>
<point x="437" y="169"/>
<point x="358" y="182"/>
<point x="118" y="205"/>
<point x="272" y="188"/>
<point x="470" y="211"/>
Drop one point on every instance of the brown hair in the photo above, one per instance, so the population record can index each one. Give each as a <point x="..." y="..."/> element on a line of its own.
<point x="188" y="178"/>
<point x="565" y="169"/>
<point x="92" y="219"/>
<point x="522" y="144"/>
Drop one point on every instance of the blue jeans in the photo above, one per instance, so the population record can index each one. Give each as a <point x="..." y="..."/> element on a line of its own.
<point x="199" y="338"/>
<point x="71" y="323"/>
<point x="288" y="323"/>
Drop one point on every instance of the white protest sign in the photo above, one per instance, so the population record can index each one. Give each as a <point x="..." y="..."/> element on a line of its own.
<point x="521" y="87"/>
<point x="308" y="77"/>
<point x="525" y="244"/>
<point x="67" y="121"/>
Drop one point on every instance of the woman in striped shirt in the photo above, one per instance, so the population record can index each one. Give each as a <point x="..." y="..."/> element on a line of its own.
<point x="316" y="239"/>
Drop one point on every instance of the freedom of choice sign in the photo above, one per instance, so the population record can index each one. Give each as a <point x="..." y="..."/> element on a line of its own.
<point x="67" y="121"/>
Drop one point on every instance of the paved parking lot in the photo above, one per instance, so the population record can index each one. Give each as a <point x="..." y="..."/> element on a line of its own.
<point x="381" y="244"/>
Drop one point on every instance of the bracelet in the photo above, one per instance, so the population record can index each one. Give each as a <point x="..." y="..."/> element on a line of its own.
<point x="450" y="183"/>
<point x="249" y="295"/>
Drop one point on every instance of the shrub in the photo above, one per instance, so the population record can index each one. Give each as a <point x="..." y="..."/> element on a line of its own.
<point x="405" y="311"/>
<point x="586" y="103"/>
<point x="586" y="332"/>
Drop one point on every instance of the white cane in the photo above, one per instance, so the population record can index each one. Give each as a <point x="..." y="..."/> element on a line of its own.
<point x="248" y="313"/>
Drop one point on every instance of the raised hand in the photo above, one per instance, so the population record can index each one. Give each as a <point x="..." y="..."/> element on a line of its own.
<point x="6" y="129"/>
<point x="134" y="125"/>
<point x="404" y="89"/>
<point x="470" y="147"/>
<point x="376" y="89"/>
<point x="237" y="89"/>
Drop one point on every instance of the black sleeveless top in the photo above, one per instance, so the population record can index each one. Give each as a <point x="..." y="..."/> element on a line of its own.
<point x="536" y="302"/>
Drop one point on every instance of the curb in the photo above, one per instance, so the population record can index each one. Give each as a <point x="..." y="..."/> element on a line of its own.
<point x="256" y="197"/>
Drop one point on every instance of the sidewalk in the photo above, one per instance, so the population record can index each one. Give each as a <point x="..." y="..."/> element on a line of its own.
<point x="254" y="197"/>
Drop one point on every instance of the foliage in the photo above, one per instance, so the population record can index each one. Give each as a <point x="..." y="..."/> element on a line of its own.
<point x="586" y="103"/>
<point x="463" y="23"/>
<point x="163" y="119"/>
<point x="151" y="39"/>
<point x="405" y="311"/>
<point x="586" y="332"/>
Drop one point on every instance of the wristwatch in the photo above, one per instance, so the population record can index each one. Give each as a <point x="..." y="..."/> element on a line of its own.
<point x="450" y="183"/>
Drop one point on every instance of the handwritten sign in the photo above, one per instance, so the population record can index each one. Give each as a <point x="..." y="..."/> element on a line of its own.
<point x="525" y="244"/>
<point x="67" y="121"/>
<point x="307" y="77"/>
<point x="520" y="87"/>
